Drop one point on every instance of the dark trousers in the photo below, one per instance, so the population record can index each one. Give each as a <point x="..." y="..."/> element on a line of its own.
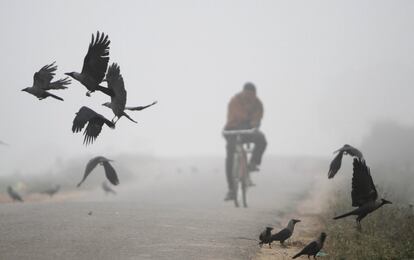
<point x="259" y="141"/>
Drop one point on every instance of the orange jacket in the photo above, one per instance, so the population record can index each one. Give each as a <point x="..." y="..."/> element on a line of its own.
<point x="244" y="113"/>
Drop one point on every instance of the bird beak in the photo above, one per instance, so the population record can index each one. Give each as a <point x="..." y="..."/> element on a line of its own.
<point x="23" y="89"/>
<point x="68" y="74"/>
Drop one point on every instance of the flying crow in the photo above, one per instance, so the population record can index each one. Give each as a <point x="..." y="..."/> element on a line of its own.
<point x="94" y="65"/>
<point x="109" y="170"/>
<point x="364" y="194"/>
<point x="95" y="122"/>
<point x="42" y="82"/>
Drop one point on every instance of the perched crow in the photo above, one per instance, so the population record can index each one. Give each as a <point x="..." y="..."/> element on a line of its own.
<point x="337" y="161"/>
<point x="364" y="194"/>
<point x="118" y="100"/>
<point x="285" y="233"/>
<point x="266" y="237"/>
<point x="109" y="170"/>
<point x="13" y="194"/>
<point x="94" y="65"/>
<point x="95" y="122"/>
<point x="107" y="188"/>
<point x="313" y="248"/>
<point x="52" y="191"/>
<point x="42" y="82"/>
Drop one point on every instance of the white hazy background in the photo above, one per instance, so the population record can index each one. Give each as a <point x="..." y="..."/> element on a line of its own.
<point x="325" y="70"/>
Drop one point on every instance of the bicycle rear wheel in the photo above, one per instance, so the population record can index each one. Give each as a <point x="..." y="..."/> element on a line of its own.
<point x="236" y="171"/>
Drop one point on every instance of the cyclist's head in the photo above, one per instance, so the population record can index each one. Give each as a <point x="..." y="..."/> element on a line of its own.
<point x="249" y="89"/>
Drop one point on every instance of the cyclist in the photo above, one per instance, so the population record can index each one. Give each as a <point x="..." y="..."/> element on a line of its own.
<point x="245" y="111"/>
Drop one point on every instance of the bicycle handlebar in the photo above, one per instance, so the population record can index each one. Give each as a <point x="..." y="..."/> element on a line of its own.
<point x="239" y="132"/>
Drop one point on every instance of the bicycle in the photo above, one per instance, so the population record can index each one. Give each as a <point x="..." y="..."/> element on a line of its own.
<point x="240" y="168"/>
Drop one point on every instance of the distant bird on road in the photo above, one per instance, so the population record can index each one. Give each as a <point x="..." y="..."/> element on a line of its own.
<point x="95" y="122"/>
<point x="313" y="248"/>
<point x="107" y="188"/>
<point x="52" y="191"/>
<point x="13" y="194"/>
<point x="42" y="82"/>
<point x="364" y="194"/>
<point x="118" y="100"/>
<point x="285" y="233"/>
<point x="95" y="64"/>
<point x="109" y="170"/>
<point x="337" y="161"/>
<point x="266" y="237"/>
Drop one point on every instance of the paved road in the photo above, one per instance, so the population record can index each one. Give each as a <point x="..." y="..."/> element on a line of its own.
<point x="178" y="217"/>
<point x="127" y="231"/>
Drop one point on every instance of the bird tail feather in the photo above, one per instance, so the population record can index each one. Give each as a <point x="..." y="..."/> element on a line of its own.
<point x="127" y="116"/>
<point x="344" y="215"/>
<point x="297" y="255"/>
<point x="54" y="96"/>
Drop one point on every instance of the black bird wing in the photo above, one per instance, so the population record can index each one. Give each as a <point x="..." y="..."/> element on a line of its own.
<point x="110" y="173"/>
<point x="310" y="249"/>
<point x="95" y="122"/>
<point x="363" y="188"/>
<point x="116" y="84"/>
<point x="90" y="166"/>
<point x="141" y="107"/>
<point x="282" y="235"/>
<point x="42" y="78"/>
<point x="96" y="60"/>
<point x="335" y="165"/>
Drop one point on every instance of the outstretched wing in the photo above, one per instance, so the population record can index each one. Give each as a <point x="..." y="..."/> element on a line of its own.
<point x="141" y="107"/>
<point x="96" y="60"/>
<point x="352" y="151"/>
<point x="363" y="188"/>
<point x="59" y="84"/>
<point x="42" y="78"/>
<point x="90" y="166"/>
<point x="110" y="173"/>
<point x="94" y="128"/>
<point x="335" y="165"/>
<point x="116" y="84"/>
<point x="82" y="117"/>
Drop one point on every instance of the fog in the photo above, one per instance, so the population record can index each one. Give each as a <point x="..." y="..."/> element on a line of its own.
<point x="326" y="72"/>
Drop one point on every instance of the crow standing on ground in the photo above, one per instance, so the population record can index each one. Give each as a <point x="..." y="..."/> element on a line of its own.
<point x="95" y="64"/>
<point x="13" y="194"/>
<point x="109" y="170"/>
<point x="337" y="161"/>
<point x="312" y="248"/>
<point x="95" y="122"/>
<point x="52" y="191"/>
<point x="118" y="100"/>
<point x="42" y="82"/>
<point x="266" y="237"/>
<point x="107" y="188"/>
<point x="285" y="233"/>
<point x="364" y="194"/>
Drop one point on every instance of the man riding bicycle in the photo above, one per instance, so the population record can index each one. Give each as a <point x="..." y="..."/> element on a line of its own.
<point x="245" y="111"/>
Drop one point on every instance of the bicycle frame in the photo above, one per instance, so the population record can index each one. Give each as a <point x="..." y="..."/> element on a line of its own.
<point x="240" y="167"/>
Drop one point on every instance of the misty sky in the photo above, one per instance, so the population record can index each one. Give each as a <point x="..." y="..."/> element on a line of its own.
<point x="325" y="71"/>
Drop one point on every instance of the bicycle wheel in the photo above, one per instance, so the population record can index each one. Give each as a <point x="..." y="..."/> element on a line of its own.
<point x="243" y="171"/>
<point x="236" y="171"/>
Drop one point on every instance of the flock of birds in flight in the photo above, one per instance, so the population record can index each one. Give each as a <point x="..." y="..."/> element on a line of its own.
<point x="94" y="72"/>
<point x="364" y="196"/>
